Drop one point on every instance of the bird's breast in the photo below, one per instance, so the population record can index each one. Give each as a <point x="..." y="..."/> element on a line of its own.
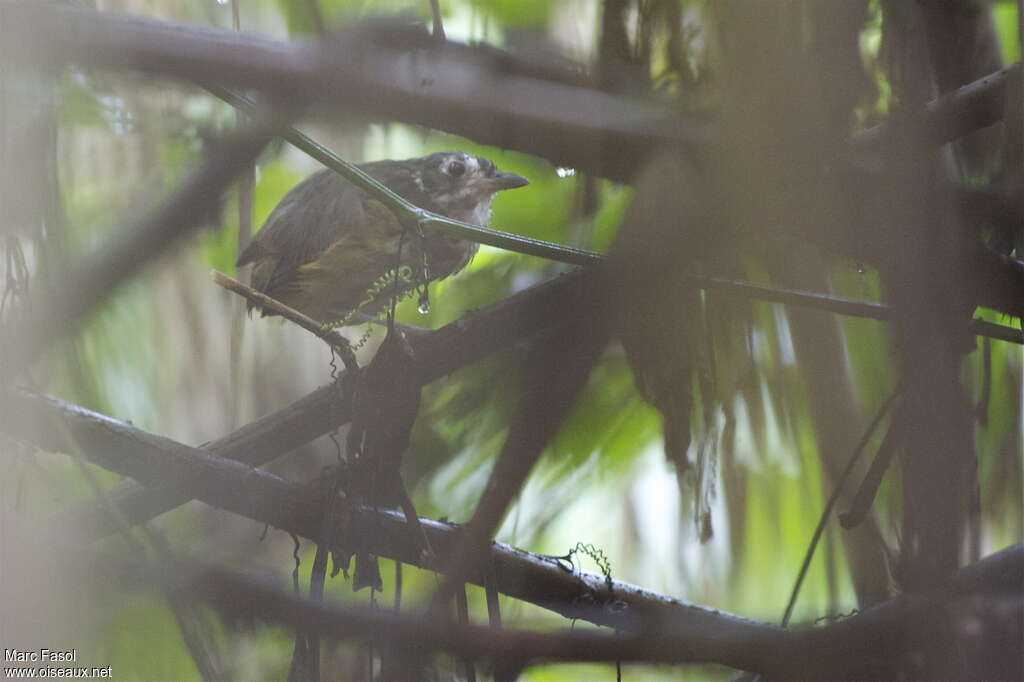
<point x="446" y="255"/>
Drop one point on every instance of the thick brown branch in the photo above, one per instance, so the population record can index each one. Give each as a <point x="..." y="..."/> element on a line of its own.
<point x="863" y="646"/>
<point x="756" y="647"/>
<point x="976" y="105"/>
<point x="385" y="68"/>
<point x="265" y="497"/>
<point x="438" y="353"/>
<point x="369" y="69"/>
<point x="666" y="629"/>
<point x="457" y="89"/>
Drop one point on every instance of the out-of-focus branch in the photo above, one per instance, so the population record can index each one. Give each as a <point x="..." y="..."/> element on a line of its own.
<point x="265" y="497"/>
<point x="385" y="68"/>
<point x="758" y="647"/>
<point x="980" y="599"/>
<point x="457" y="89"/>
<point x="840" y="305"/>
<point x="976" y="105"/>
<point x="667" y="630"/>
<point x="60" y="34"/>
<point x="985" y="205"/>
<point x="439" y="353"/>
<point x="1000" y="280"/>
<point x="48" y="316"/>
<point x="555" y="374"/>
<point x="396" y="71"/>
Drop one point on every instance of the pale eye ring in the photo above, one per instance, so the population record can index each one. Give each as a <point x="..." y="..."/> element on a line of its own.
<point x="456" y="169"/>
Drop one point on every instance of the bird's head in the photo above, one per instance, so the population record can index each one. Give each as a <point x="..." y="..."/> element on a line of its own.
<point x="461" y="186"/>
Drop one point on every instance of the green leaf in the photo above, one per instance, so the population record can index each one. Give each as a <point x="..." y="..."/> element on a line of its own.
<point x="517" y="13"/>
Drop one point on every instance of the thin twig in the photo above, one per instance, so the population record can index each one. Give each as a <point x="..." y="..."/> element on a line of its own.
<point x="865" y="495"/>
<point x="975" y="105"/>
<point x="493" y="604"/>
<point x="462" y="612"/>
<point x="335" y="340"/>
<point x="838" y="304"/>
<point x="575" y="256"/>
<point x="439" y="353"/>
<point x="833" y="498"/>
<point x="398" y="587"/>
<point x="246" y="185"/>
<point x="407" y="329"/>
<point x="410" y="214"/>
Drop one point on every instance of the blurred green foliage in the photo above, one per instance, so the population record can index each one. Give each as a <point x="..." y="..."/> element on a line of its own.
<point x="1004" y="15"/>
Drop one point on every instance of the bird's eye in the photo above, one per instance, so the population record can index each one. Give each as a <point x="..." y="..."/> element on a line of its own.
<point x="456" y="169"/>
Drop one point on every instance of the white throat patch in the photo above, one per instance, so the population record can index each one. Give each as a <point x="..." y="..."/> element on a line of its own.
<point x="480" y="214"/>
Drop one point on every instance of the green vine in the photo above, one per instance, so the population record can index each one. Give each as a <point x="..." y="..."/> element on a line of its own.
<point x="599" y="557"/>
<point x="373" y="293"/>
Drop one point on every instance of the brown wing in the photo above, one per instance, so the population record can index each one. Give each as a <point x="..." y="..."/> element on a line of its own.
<point x="314" y="215"/>
<point x="325" y="214"/>
<point x="311" y="217"/>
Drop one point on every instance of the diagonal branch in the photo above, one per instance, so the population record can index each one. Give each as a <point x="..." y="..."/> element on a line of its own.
<point x="331" y="337"/>
<point x="984" y="598"/>
<point x="409" y="213"/>
<point x="438" y="354"/>
<point x="979" y="202"/>
<point x="658" y="628"/>
<point x="1005" y="276"/>
<point x="754" y="647"/>
<point x="953" y="115"/>
<point x="369" y="70"/>
<point x="556" y="373"/>
<point x="461" y="90"/>
<point x="298" y="509"/>
<point x="366" y="71"/>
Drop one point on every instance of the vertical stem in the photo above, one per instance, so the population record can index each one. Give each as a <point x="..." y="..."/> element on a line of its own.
<point x="462" y="607"/>
<point x="246" y="182"/>
<point x="927" y="280"/>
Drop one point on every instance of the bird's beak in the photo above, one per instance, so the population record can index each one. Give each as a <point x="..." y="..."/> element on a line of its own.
<point x="502" y="180"/>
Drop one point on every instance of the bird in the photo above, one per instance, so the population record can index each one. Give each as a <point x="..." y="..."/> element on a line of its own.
<point x="328" y="248"/>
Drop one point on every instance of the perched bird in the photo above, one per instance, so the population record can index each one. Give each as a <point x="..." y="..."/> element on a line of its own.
<point x="327" y="243"/>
